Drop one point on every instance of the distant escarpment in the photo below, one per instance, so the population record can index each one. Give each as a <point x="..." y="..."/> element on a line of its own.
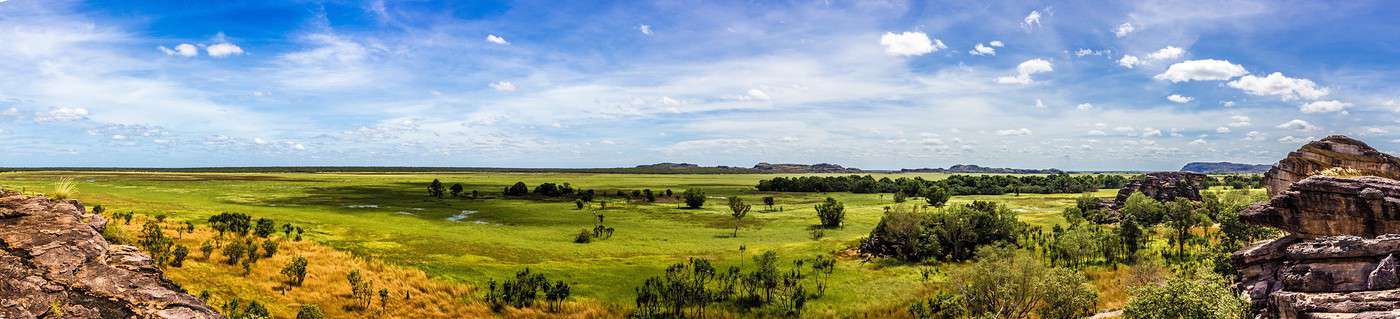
<point x="54" y="263"/>
<point x="1225" y="168"/>
<point x="803" y="168"/>
<point x="961" y="168"/>
<point x="1339" y="258"/>
<point x="1162" y="186"/>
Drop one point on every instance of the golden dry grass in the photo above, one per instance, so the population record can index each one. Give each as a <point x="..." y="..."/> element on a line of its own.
<point x="64" y="188"/>
<point x="326" y="286"/>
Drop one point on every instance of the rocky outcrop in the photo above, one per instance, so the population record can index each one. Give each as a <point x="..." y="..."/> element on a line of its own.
<point x="1329" y="206"/>
<point x="1162" y="186"/>
<point x="803" y="168"/>
<point x="1339" y="259"/>
<point x="1329" y="152"/>
<point x="54" y="263"/>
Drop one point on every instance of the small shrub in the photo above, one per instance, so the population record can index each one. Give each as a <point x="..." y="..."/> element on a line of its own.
<point x="179" y="254"/>
<point x="694" y="198"/>
<point x="831" y="213"/>
<point x="310" y="312"/>
<point x="65" y="188"/>
<point x="269" y="248"/>
<point x="295" y="270"/>
<point x="583" y="237"/>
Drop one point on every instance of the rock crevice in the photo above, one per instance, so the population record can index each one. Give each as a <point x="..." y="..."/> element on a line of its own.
<point x="53" y="259"/>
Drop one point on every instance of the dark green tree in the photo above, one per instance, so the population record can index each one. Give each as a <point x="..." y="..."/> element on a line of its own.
<point x="694" y="198"/>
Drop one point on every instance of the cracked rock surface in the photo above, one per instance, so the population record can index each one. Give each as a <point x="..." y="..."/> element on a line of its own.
<point x="53" y="257"/>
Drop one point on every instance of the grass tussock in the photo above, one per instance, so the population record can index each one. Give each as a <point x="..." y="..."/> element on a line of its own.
<point x="64" y="188"/>
<point x="1341" y="172"/>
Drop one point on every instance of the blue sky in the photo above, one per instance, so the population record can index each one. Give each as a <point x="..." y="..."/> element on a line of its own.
<point x="870" y="84"/>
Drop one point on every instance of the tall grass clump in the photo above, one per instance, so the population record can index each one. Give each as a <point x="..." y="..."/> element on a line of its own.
<point x="65" y="188"/>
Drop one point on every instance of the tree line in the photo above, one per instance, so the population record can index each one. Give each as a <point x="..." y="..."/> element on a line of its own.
<point x="955" y="184"/>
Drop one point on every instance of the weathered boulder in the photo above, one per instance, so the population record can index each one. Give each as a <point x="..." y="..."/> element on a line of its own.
<point x="53" y="256"/>
<point x="1326" y="206"/>
<point x="1163" y="186"/>
<point x="1329" y="152"/>
<point x="1339" y="259"/>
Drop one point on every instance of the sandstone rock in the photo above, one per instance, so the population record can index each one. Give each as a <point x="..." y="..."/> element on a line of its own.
<point x="1332" y="151"/>
<point x="1383" y="277"/>
<point x="1163" y="186"/>
<point x="52" y="255"/>
<point x="1328" y="206"/>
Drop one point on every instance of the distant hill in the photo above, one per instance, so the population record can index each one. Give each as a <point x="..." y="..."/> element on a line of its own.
<point x="804" y="168"/>
<point x="974" y="169"/>
<point x="1225" y="168"/>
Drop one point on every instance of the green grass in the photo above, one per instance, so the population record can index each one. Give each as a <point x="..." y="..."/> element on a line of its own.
<point x="404" y="227"/>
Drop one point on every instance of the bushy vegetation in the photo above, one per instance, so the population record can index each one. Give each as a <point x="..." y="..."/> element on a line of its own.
<point x="831" y="213"/>
<point x="949" y="234"/>
<point x="955" y="184"/>
<point x="524" y="290"/>
<point x="1195" y="295"/>
<point x="687" y="289"/>
<point x="694" y="198"/>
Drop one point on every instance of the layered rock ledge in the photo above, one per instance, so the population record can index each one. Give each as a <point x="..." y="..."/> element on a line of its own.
<point x="1329" y="152"/>
<point x="54" y="260"/>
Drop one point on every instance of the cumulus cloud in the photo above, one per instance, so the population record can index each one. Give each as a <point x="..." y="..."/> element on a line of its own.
<point x="1039" y="104"/>
<point x="1180" y="98"/>
<point x="1124" y="29"/>
<point x="1293" y="140"/>
<point x="1167" y="53"/>
<point x="184" y="50"/>
<point x="61" y="114"/>
<point x="496" y="39"/>
<point x="1298" y="125"/>
<point x="1201" y="70"/>
<point x="996" y="43"/>
<point x="1255" y="136"/>
<point x="910" y="44"/>
<point x="1222" y="130"/>
<point x="1025" y="70"/>
<point x="981" y="49"/>
<point x="1014" y="132"/>
<point x="1198" y="142"/>
<point x="1083" y="52"/>
<point x="758" y="95"/>
<point x="1277" y="84"/>
<point x="223" y="49"/>
<point x="1129" y="61"/>
<point x="1239" y="121"/>
<point x="1151" y="132"/>
<point x="645" y="29"/>
<point x="503" y="86"/>
<point x="1324" y="106"/>
<point x="1084" y="106"/>
<point x="1227" y="103"/>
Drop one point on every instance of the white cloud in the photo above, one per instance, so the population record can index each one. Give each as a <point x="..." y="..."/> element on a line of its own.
<point x="1151" y="132"/>
<point x="1227" y="103"/>
<point x="184" y="49"/>
<point x="1324" y="106"/>
<point x="1201" y="70"/>
<point x="1293" y="140"/>
<point x="1298" y="125"/>
<point x="1179" y="98"/>
<point x="1129" y="61"/>
<point x="1097" y="132"/>
<point x="1039" y="104"/>
<point x="1255" y="136"/>
<point x="980" y="49"/>
<point x="645" y="29"/>
<point x="910" y="44"/>
<point x="1124" y="29"/>
<point x="758" y="95"/>
<point x="1084" y="106"/>
<point x="1032" y="20"/>
<point x="223" y="49"/>
<point x="1167" y="53"/>
<point x="1198" y="142"/>
<point x="61" y="114"/>
<point x="259" y="141"/>
<point x="1014" y="132"/>
<point x="1025" y="70"/>
<point x="10" y="112"/>
<point x="1239" y="121"/>
<point x="503" y="86"/>
<point x="1375" y="130"/>
<point x="1277" y="84"/>
<point x="1222" y="130"/>
<point x="996" y="43"/>
<point x="496" y="39"/>
<point x="1083" y="52"/>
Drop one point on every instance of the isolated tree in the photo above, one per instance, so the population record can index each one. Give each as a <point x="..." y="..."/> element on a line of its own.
<point x="310" y="312"/>
<point x="738" y="209"/>
<point x="295" y="270"/>
<point x="518" y="189"/>
<point x="1067" y="295"/>
<point x="578" y="203"/>
<point x="476" y="194"/>
<point x="456" y="189"/>
<point x="1181" y="216"/>
<point x="269" y="248"/>
<point x="831" y="213"/>
<point x="435" y="189"/>
<point x="265" y="227"/>
<point x="769" y="201"/>
<point x="556" y="294"/>
<point x="936" y="196"/>
<point x="207" y="248"/>
<point x="178" y="256"/>
<point x="383" y="298"/>
<point x="651" y="198"/>
<point x="694" y="198"/>
<point x="287" y="230"/>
